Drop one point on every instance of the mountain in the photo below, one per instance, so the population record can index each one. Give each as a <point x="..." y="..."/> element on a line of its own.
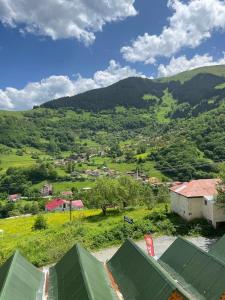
<point x="191" y="92"/>
<point x="171" y="127"/>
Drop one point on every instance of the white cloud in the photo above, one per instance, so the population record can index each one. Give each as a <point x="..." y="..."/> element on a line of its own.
<point x="54" y="87"/>
<point x="180" y="64"/>
<point x="191" y="23"/>
<point x="61" y="19"/>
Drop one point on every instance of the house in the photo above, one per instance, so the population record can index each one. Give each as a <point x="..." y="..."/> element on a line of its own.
<point x="62" y="205"/>
<point x="14" y="197"/>
<point x="46" y="190"/>
<point x="197" y="199"/>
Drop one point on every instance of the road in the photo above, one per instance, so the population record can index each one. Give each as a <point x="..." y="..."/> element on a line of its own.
<point x="160" y="245"/>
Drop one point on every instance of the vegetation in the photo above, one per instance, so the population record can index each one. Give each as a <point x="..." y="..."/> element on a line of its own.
<point x="171" y="129"/>
<point x="92" y="230"/>
<point x="40" y="223"/>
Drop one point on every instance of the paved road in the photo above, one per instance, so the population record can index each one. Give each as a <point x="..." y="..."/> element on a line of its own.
<point x="160" y="245"/>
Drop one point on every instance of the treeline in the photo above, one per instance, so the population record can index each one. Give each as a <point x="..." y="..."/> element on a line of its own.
<point x="20" y="180"/>
<point x="130" y="92"/>
<point x="122" y="192"/>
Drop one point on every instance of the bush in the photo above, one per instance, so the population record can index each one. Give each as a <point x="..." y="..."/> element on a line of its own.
<point x="40" y="223"/>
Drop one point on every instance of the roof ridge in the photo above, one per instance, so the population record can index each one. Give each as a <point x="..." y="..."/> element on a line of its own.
<point x="201" y="250"/>
<point x="159" y="269"/>
<point x="86" y="283"/>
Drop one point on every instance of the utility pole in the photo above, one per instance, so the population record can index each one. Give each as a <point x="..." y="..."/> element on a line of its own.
<point x="70" y="210"/>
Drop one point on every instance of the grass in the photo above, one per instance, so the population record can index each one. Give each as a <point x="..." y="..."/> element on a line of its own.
<point x="45" y="246"/>
<point x="13" y="160"/>
<point x="165" y="108"/>
<point x="184" y="76"/>
<point x="149" y="97"/>
<point x="92" y="230"/>
<point x="65" y="186"/>
<point x="220" y="86"/>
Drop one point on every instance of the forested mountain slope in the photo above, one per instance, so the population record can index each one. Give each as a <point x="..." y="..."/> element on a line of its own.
<point x="192" y="92"/>
<point x="175" y="126"/>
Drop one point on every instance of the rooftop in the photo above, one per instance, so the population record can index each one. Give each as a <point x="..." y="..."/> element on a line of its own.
<point x="196" y="188"/>
<point x="183" y="272"/>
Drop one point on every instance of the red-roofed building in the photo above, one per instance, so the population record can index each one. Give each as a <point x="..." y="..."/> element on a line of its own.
<point x="14" y="198"/>
<point x="196" y="199"/>
<point x="63" y="205"/>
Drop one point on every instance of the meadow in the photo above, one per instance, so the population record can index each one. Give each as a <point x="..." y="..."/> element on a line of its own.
<point x="90" y="229"/>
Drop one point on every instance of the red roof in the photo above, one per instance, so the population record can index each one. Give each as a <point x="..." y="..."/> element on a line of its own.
<point x="196" y="188"/>
<point x="58" y="202"/>
<point x="55" y="203"/>
<point x="14" y="197"/>
<point x="78" y="203"/>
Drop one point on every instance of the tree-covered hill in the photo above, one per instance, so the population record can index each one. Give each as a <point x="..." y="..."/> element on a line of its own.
<point x="171" y="129"/>
<point x="193" y="92"/>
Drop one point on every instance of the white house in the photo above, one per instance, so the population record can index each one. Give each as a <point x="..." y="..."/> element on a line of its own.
<point x="196" y="199"/>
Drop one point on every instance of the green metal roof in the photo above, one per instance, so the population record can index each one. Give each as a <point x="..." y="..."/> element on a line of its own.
<point x="199" y="270"/>
<point x="139" y="276"/>
<point x="79" y="275"/>
<point x="218" y="250"/>
<point x="20" y="280"/>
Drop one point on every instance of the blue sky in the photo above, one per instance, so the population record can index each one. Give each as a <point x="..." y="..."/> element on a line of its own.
<point x="51" y="50"/>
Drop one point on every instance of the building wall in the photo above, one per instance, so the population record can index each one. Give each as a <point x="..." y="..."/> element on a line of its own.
<point x="207" y="209"/>
<point x="187" y="208"/>
<point x="218" y="214"/>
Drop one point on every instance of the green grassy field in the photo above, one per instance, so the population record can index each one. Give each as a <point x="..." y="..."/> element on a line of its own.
<point x="45" y="246"/>
<point x="165" y="108"/>
<point x="13" y="160"/>
<point x="91" y="229"/>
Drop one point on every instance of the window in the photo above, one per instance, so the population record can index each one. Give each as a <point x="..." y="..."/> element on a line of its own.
<point x="206" y="202"/>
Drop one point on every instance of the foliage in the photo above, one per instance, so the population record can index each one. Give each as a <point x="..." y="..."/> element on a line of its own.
<point x="220" y="199"/>
<point x="40" y="223"/>
<point x="91" y="229"/>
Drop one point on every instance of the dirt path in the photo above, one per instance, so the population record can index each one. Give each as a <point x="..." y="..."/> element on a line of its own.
<point x="160" y="245"/>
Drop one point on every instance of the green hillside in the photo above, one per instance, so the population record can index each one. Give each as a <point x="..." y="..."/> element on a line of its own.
<point x="170" y="130"/>
<point x="218" y="70"/>
<point x="194" y="91"/>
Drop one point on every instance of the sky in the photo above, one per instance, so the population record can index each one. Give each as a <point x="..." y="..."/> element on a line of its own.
<point x="55" y="48"/>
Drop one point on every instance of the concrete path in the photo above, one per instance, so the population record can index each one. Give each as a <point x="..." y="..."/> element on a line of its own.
<point x="160" y="245"/>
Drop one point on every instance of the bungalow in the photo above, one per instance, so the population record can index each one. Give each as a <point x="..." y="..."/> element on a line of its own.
<point x="62" y="205"/>
<point x="14" y="197"/>
<point x="197" y="199"/>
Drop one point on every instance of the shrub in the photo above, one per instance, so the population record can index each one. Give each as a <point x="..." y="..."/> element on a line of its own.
<point x="40" y="223"/>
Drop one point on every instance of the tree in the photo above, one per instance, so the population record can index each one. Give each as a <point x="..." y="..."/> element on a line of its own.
<point x="220" y="199"/>
<point x="40" y="223"/>
<point x="34" y="208"/>
<point x="128" y="190"/>
<point x="105" y="194"/>
<point x="162" y="194"/>
<point x="148" y="196"/>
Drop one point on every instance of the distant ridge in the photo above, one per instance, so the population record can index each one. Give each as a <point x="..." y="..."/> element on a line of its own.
<point x="192" y="87"/>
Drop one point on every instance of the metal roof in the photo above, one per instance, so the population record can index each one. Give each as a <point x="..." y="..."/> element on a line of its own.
<point x="139" y="276"/>
<point x="196" y="188"/>
<point x="79" y="275"/>
<point x="200" y="271"/>
<point x="20" y="280"/>
<point x="218" y="250"/>
<point x="183" y="272"/>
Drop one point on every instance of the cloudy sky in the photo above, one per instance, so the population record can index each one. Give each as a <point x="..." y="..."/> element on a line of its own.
<point x="54" y="48"/>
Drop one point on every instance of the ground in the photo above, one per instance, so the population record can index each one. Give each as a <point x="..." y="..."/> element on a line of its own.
<point x="161" y="244"/>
